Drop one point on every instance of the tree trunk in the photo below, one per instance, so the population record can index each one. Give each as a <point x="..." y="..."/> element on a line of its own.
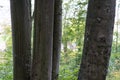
<point x="43" y="40"/>
<point x="117" y="33"/>
<point x="57" y="33"/>
<point x="98" y="40"/>
<point x="21" y="34"/>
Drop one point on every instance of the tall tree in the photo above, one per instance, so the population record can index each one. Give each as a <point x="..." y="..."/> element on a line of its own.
<point x="57" y="33"/>
<point x="117" y="24"/>
<point x="98" y="40"/>
<point x="21" y="34"/>
<point x="43" y="40"/>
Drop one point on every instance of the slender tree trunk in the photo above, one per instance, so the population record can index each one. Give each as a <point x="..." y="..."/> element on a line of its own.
<point x="43" y="40"/>
<point x="117" y="33"/>
<point x="57" y="33"/>
<point x="21" y="34"/>
<point x="98" y="40"/>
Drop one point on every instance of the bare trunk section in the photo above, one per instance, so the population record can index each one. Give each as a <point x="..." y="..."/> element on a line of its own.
<point x="43" y="40"/>
<point x="117" y="32"/>
<point x="21" y="34"/>
<point x="98" y="40"/>
<point x="57" y="33"/>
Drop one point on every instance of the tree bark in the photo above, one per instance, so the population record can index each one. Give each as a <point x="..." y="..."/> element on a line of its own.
<point x="21" y="35"/>
<point x="57" y="34"/>
<point x="43" y="40"/>
<point x="98" y="40"/>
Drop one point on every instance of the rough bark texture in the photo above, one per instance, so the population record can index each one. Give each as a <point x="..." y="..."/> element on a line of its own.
<point x="98" y="40"/>
<point x="43" y="40"/>
<point x="57" y="33"/>
<point x="21" y="34"/>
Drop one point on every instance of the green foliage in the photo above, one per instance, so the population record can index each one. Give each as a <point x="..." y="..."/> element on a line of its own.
<point x="72" y="39"/>
<point x="6" y="66"/>
<point x="114" y="67"/>
<point x="74" y="13"/>
<point x="68" y="66"/>
<point x="73" y="34"/>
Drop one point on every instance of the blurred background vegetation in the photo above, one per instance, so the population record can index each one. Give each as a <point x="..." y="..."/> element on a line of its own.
<point x="74" y="16"/>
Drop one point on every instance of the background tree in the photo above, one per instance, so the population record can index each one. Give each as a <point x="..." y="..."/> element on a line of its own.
<point x="43" y="40"/>
<point x="21" y="34"/>
<point x="72" y="33"/>
<point x="98" y="40"/>
<point x="74" y="14"/>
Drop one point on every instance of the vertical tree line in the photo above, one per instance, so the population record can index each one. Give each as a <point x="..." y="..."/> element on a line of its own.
<point x="47" y="29"/>
<point x="44" y="64"/>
